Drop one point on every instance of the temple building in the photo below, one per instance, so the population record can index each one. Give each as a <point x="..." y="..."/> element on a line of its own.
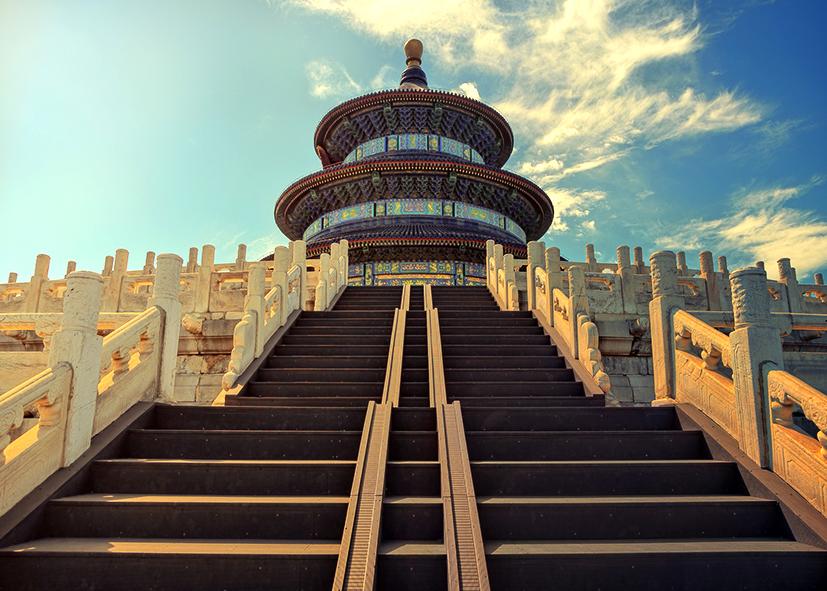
<point x="412" y="178"/>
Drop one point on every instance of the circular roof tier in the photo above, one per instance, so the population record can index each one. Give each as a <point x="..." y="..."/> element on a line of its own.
<point x="413" y="110"/>
<point x="410" y="176"/>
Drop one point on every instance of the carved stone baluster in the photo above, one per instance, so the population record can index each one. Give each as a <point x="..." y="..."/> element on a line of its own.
<point x="755" y="342"/>
<point x="665" y="301"/>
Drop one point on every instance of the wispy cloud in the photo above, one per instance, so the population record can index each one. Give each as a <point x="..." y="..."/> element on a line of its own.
<point x="470" y="89"/>
<point x="583" y="79"/>
<point x="330" y="79"/>
<point x="761" y="224"/>
<point x="569" y="203"/>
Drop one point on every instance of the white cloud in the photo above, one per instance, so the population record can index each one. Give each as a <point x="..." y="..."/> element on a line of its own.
<point x="571" y="70"/>
<point x="330" y="79"/>
<point x="569" y="203"/>
<point x="761" y="224"/>
<point x="470" y="90"/>
<point x="386" y="77"/>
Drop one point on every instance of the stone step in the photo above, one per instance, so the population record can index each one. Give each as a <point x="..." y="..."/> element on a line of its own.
<point x="413" y="446"/>
<point x="343" y="322"/>
<point x="223" y="477"/>
<point x="536" y="340"/>
<point x="412" y="478"/>
<point x="314" y="389"/>
<point x="130" y="564"/>
<point x="412" y="518"/>
<point x="335" y="332"/>
<point x="567" y="446"/>
<point x="327" y="362"/>
<point x="475" y="350"/>
<point x="461" y="390"/>
<point x="445" y="314"/>
<point x="328" y="349"/>
<point x="450" y="321"/>
<point x="334" y="316"/>
<point x="348" y="340"/>
<point x="628" y="518"/>
<point x="192" y="517"/>
<point x="343" y="373"/>
<point x="564" y="419"/>
<point x="239" y="418"/>
<point x="610" y="478"/>
<point x="359" y="402"/>
<point x="411" y="566"/>
<point x="475" y="332"/>
<point x="515" y="376"/>
<point x="242" y="445"/>
<point x="711" y="565"/>
<point x="510" y="362"/>
<point x="527" y="402"/>
<point x="413" y="420"/>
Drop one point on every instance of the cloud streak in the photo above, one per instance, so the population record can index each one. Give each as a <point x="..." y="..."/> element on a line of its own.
<point x="330" y="79"/>
<point x="583" y="79"/>
<point x="761" y="224"/>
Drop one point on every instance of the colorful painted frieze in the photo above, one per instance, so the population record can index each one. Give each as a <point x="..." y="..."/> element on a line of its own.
<point x="414" y="141"/>
<point x="513" y="228"/>
<point x="474" y="270"/>
<point x="480" y="214"/>
<point x="313" y="229"/>
<point x="356" y="270"/>
<point x="413" y="207"/>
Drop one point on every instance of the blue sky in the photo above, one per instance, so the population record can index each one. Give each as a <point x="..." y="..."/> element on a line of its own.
<point x="160" y="125"/>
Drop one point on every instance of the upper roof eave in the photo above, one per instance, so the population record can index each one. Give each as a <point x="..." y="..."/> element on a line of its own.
<point x="452" y="98"/>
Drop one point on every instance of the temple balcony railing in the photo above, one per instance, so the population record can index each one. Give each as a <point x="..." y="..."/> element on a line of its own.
<point x="730" y="366"/>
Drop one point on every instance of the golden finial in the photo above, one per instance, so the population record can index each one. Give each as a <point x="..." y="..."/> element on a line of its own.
<point x="413" y="52"/>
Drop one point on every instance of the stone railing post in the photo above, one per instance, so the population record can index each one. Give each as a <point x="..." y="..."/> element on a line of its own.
<point x="12" y="278"/>
<point x="71" y="267"/>
<point x="536" y="258"/>
<point x="490" y="272"/>
<point x="498" y="266"/>
<point x="77" y="342"/>
<point x="665" y="300"/>
<point x="555" y="275"/>
<point x="254" y="301"/>
<point x="192" y="262"/>
<point x="591" y="261"/>
<point x="204" y="286"/>
<point x="683" y="270"/>
<point x="41" y="274"/>
<point x="334" y="265"/>
<point x="112" y="286"/>
<point x="819" y="279"/>
<point x="722" y="268"/>
<point x="107" y="265"/>
<point x="711" y="279"/>
<point x="344" y="252"/>
<point x="299" y="258"/>
<point x="321" y="286"/>
<point x="627" y="280"/>
<point x="640" y="266"/>
<point x="165" y="296"/>
<point x="756" y="348"/>
<point x="510" y="281"/>
<point x="578" y="304"/>
<point x="149" y="264"/>
<point x="241" y="257"/>
<point x="786" y="275"/>
<point x="281" y="266"/>
<point x="723" y="284"/>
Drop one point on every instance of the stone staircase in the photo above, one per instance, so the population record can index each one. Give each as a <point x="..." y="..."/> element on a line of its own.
<point x="573" y="495"/>
<point x="260" y="493"/>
